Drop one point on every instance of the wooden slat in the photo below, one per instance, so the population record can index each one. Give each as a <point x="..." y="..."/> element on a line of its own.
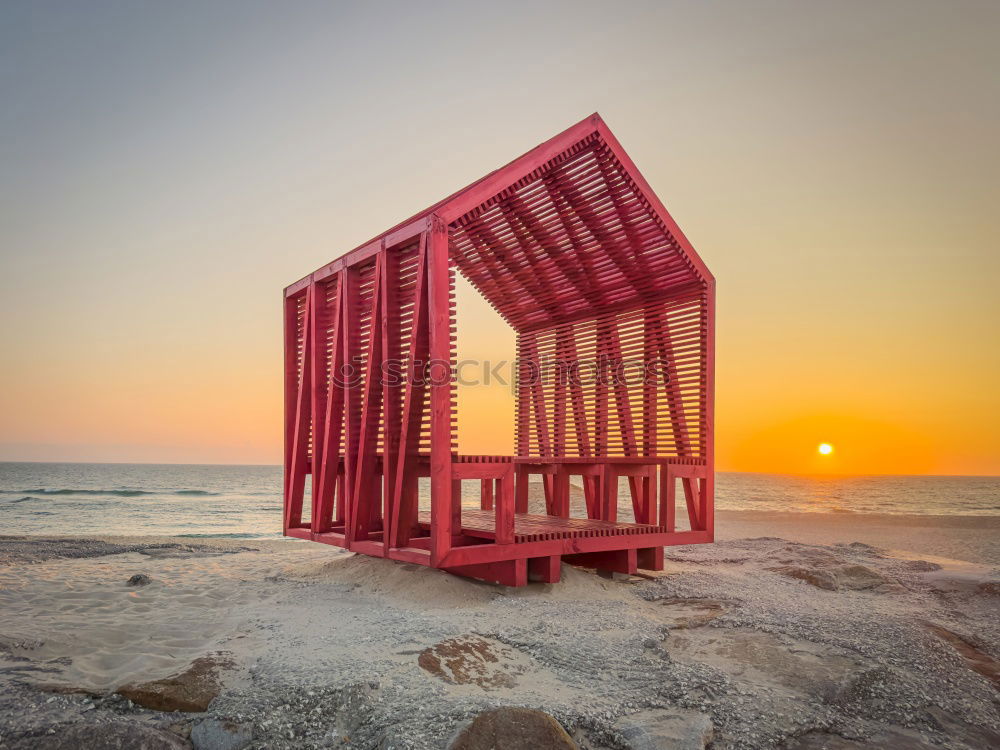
<point x="532" y="528"/>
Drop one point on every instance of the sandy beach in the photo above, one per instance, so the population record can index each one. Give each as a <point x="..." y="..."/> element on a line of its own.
<point x="968" y="538"/>
<point x="792" y="631"/>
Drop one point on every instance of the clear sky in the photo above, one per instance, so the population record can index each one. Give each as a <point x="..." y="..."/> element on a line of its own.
<point x="166" y="168"/>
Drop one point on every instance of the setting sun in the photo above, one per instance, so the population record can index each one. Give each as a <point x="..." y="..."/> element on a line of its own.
<point x="825" y="448"/>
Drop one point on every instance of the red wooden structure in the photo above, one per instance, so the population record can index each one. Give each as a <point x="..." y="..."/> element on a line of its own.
<point x="615" y="320"/>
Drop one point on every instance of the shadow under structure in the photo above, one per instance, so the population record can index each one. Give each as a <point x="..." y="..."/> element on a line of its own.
<point x="614" y="314"/>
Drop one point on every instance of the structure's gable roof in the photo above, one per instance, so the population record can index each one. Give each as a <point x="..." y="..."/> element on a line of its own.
<point x="575" y="236"/>
<point x="569" y="228"/>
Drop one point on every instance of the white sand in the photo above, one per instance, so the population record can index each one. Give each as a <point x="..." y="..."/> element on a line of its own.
<point x="325" y="643"/>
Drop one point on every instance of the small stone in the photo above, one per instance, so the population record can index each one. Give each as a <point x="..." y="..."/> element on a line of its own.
<point x="213" y="734"/>
<point x="139" y="579"/>
<point x="513" y="729"/>
<point x="191" y="690"/>
<point x="650" y="643"/>
<point x="676" y="729"/>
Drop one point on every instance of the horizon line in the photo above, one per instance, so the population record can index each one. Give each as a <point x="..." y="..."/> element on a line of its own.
<point x="718" y="471"/>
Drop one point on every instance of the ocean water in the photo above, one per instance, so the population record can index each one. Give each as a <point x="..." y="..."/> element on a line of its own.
<point x="245" y="501"/>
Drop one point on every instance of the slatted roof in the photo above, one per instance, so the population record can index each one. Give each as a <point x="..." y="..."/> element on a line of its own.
<point x="566" y="231"/>
<point x="577" y="237"/>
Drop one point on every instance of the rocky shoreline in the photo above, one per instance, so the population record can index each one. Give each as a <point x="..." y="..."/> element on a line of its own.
<point x="747" y="643"/>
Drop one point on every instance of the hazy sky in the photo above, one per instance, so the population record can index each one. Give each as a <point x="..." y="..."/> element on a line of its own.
<point x="166" y="168"/>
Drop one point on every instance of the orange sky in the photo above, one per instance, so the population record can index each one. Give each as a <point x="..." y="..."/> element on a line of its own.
<point x="168" y="169"/>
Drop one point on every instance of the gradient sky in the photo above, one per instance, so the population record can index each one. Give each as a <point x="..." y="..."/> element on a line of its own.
<point x="166" y="168"/>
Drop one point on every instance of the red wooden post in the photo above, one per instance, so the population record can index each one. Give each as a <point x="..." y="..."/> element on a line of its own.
<point x="561" y="483"/>
<point x="708" y="506"/>
<point x="352" y="401"/>
<point x="609" y="493"/>
<point x="443" y="502"/>
<point x="545" y="569"/>
<point x="318" y="395"/>
<point x="328" y="473"/>
<point x="291" y="397"/>
<point x="389" y="325"/>
<point x="300" y="429"/>
<point x="521" y="493"/>
<point x="505" y="508"/>
<point x="404" y="504"/>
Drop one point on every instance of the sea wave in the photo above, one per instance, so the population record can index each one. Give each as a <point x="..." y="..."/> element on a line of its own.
<point x="230" y="536"/>
<point x="119" y="493"/>
<point x="116" y="493"/>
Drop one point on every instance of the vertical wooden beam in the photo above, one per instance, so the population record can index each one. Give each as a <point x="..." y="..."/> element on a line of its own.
<point x="365" y="507"/>
<point x="536" y="389"/>
<point x="318" y="393"/>
<point x="609" y="493"/>
<point x="504" y="511"/>
<point x="592" y="495"/>
<point x="291" y="396"/>
<point x="389" y="325"/>
<point x="340" y="509"/>
<point x="693" y="502"/>
<point x="667" y="499"/>
<point x="300" y="431"/>
<point x="600" y="405"/>
<point x="523" y="404"/>
<point x="708" y="507"/>
<point x="404" y="503"/>
<point x="545" y="569"/>
<point x="444" y="503"/>
<point x="551" y="494"/>
<point x="352" y="390"/>
<point x="560" y="377"/>
<point x="650" y="558"/>
<point x="333" y="421"/>
<point x="521" y="492"/>
<point x="675" y="399"/>
<point x="623" y="406"/>
<point x="561" y="483"/>
<point x="567" y="349"/>
<point x="650" y="327"/>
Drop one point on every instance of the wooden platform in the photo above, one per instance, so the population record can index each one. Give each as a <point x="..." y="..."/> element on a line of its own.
<point x="532" y="528"/>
